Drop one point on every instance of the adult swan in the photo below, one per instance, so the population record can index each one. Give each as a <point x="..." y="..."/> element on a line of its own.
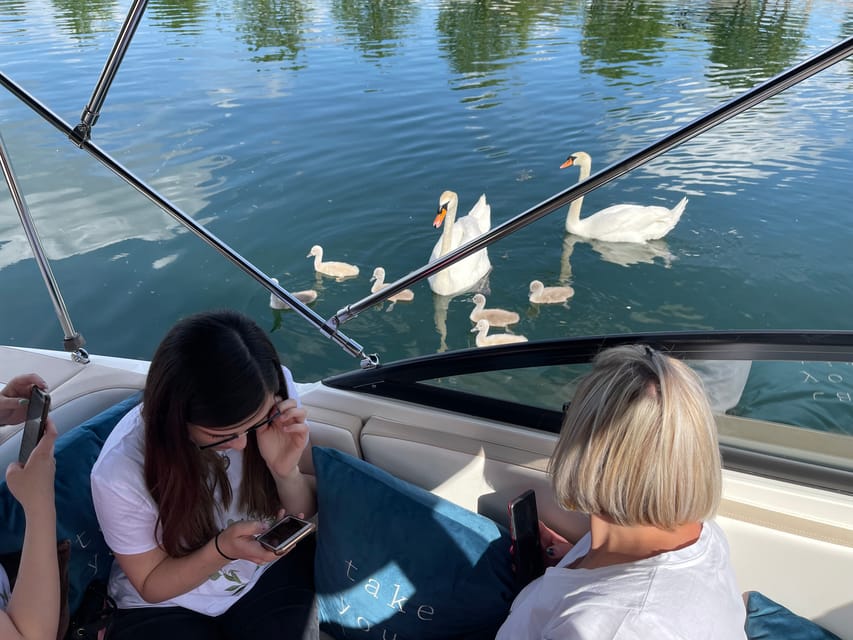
<point x="465" y="274"/>
<point x="621" y="222"/>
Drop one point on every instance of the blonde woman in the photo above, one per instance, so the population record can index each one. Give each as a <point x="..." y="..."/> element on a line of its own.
<point x="638" y="452"/>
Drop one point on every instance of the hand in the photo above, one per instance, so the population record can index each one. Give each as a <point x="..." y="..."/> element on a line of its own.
<point x="238" y="541"/>
<point x="32" y="483"/>
<point x="554" y="546"/>
<point x="12" y="410"/>
<point x="282" y="441"/>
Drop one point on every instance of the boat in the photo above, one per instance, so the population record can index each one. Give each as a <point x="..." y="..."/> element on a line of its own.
<point x="465" y="426"/>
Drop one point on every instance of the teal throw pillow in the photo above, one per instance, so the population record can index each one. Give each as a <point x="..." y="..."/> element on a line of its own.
<point x="769" y="620"/>
<point x="75" y="453"/>
<point x="394" y="560"/>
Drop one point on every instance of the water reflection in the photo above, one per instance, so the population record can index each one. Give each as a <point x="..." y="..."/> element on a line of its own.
<point x="751" y="41"/>
<point x="182" y="16"/>
<point x="273" y="30"/>
<point x="482" y="37"/>
<point x="624" y="254"/>
<point x="618" y="34"/>
<point x="377" y="27"/>
<point x="80" y="16"/>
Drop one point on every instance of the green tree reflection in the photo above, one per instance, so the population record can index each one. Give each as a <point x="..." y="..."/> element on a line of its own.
<point x="80" y="17"/>
<point x="177" y="15"/>
<point x="483" y="35"/>
<point x="376" y="26"/>
<point x="618" y="34"/>
<point x="273" y="29"/>
<point x="760" y="39"/>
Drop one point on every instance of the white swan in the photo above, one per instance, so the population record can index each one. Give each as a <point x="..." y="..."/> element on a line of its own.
<point x="336" y="269"/>
<point x="465" y="274"/>
<point x="306" y="297"/>
<point x="485" y="340"/>
<point x="620" y="222"/>
<point x="496" y="317"/>
<point x="378" y="280"/>
<point x="540" y="294"/>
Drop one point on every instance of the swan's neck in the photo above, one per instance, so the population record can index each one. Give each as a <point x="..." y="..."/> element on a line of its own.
<point x="447" y="233"/>
<point x="574" y="217"/>
<point x="318" y="259"/>
<point x="377" y="285"/>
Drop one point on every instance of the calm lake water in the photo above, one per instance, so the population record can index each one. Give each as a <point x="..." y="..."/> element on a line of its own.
<point x="285" y="124"/>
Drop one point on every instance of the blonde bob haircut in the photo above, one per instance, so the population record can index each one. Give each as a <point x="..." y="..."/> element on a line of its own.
<point x="639" y="443"/>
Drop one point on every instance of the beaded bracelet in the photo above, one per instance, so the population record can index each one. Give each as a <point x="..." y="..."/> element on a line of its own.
<point x="216" y="544"/>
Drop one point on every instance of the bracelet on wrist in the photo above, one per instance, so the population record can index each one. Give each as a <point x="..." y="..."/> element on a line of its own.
<point x="216" y="544"/>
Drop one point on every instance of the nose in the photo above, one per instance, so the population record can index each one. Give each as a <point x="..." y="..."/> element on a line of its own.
<point x="239" y="443"/>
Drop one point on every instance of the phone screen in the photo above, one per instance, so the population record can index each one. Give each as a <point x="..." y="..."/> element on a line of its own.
<point x="278" y="534"/>
<point x="34" y="427"/>
<point x="524" y="529"/>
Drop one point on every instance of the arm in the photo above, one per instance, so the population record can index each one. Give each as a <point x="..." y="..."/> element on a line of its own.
<point x="281" y="444"/>
<point x="158" y="577"/>
<point x="33" y="611"/>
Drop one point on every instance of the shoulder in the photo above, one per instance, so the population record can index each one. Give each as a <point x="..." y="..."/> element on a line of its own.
<point x="123" y="453"/>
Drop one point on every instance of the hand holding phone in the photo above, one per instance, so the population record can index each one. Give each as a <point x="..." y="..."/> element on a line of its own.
<point x="524" y="530"/>
<point x="34" y="427"/>
<point x="284" y="534"/>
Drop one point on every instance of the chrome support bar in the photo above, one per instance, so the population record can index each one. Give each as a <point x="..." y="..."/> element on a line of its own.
<point x="329" y="328"/>
<point x="73" y="341"/>
<point x="92" y="111"/>
<point x="732" y="108"/>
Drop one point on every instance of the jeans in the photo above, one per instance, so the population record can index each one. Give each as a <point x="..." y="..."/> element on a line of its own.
<point x="281" y="606"/>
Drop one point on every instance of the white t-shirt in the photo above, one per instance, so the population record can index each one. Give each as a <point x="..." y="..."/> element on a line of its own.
<point x="690" y="593"/>
<point x="128" y="515"/>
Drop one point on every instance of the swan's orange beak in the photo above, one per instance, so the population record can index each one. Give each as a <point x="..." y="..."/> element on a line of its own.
<point x="568" y="163"/>
<point x="439" y="217"/>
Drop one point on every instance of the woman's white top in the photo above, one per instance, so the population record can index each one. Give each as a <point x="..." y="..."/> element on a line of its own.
<point x="128" y="517"/>
<point x="688" y="593"/>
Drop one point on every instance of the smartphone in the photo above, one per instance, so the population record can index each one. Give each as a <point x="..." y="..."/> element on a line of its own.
<point x="284" y="534"/>
<point x="524" y="530"/>
<point x="34" y="427"/>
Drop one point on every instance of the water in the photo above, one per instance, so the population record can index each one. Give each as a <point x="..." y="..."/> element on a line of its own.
<point x="281" y="125"/>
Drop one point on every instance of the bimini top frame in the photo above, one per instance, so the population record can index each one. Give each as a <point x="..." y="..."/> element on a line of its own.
<point x="80" y="135"/>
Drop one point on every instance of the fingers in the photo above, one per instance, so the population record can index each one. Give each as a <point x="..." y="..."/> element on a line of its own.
<point x="19" y="386"/>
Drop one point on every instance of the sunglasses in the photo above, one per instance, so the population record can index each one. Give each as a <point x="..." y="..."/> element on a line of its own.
<point x="234" y="436"/>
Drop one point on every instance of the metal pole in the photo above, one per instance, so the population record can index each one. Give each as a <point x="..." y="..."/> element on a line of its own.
<point x="73" y="341"/>
<point x="329" y="328"/>
<point x="743" y="102"/>
<point x="93" y="110"/>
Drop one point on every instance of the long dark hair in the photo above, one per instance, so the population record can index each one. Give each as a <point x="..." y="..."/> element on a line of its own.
<point x="212" y="369"/>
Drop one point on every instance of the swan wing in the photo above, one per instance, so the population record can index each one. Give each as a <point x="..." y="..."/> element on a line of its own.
<point x="481" y="212"/>
<point x="631" y="222"/>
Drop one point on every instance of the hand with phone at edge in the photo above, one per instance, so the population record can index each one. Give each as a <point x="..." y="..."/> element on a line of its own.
<point x="34" y="605"/>
<point x="38" y="408"/>
<point x="527" y="555"/>
<point x="14" y="397"/>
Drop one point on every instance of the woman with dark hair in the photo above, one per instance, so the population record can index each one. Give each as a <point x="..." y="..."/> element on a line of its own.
<point x="187" y="480"/>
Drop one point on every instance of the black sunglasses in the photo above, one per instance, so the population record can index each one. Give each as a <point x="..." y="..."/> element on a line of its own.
<point x="234" y="436"/>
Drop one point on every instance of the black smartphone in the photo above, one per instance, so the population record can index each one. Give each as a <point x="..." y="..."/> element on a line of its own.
<point x="284" y="534"/>
<point x="34" y="427"/>
<point x="524" y="529"/>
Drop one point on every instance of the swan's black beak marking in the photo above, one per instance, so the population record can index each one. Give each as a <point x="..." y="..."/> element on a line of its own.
<point x="439" y="216"/>
<point x="568" y="163"/>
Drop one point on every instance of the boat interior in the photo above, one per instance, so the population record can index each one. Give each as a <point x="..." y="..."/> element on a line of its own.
<point x="466" y="426"/>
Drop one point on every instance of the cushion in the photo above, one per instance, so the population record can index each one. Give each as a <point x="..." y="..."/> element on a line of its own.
<point x="396" y="560"/>
<point x="769" y="620"/>
<point x="75" y="453"/>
